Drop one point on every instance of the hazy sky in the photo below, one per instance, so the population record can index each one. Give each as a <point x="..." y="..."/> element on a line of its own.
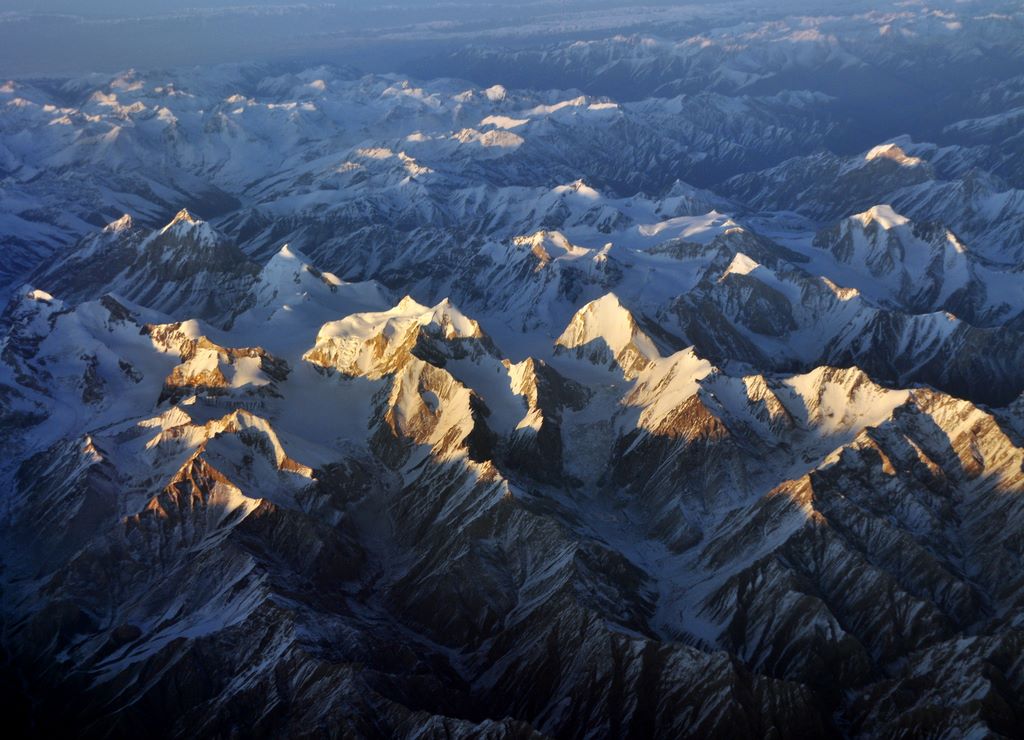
<point x="146" y="7"/>
<point x="39" y="37"/>
<point x="69" y="37"/>
<point x="151" y="7"/>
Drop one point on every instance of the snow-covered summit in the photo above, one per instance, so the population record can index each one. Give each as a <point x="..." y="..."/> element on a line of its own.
<point x="605" y="333"/>
<point x="123" y="223"/>
<point x="741" y="265"/>
<point x="886" y="255"/>
<point x="376" y="343"/>
<point x="893" y="153"/>
<point x="186" y="225"/>
<point x="883" y="215"/>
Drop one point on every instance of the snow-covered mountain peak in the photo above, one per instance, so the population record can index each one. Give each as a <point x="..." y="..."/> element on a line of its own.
<point x="291" y="299"/>
<point x="408" y="310"/>
<point x="30" y="309"/>
<point x="606" y="333"/>
<point x="741" y="265"/>
<point x="666" y="389"/>
<point x="122" y="224"/>
<point x="921" y="265"/>
<point x="287" y="253"/>
<point x="184" y="224"/>
<point x="496" y="93"/>
<point x="289" y="265"/>
<point x="213" y="371"/>
<point x="378" y="343"/>
<point x="407" y="304"/>
<point x="579" y="188"/>
<point x="454" y="323"/>
<point x="604" y="317"/>
<point x="497" y="139"/>
<point x="835" y="399"/>
<point x="184" y="216"/>
<point x="882" y="215"/>
<point x="894" y="153"/>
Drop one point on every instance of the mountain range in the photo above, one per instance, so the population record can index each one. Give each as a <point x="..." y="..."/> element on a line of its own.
<point x="365" y="405"/>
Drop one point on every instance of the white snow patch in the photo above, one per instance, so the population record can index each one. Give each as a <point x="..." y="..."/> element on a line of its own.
<point x="504" y="122"/>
